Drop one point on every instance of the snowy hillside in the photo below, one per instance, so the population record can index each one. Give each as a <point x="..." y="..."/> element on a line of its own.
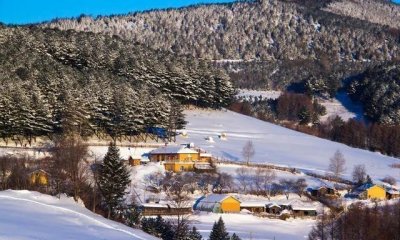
<point x="277" y="145"/>
<point x="255" y="228"/>
<point x="31" y="215"/>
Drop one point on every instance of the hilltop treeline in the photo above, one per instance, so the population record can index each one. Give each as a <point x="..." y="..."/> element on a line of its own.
<point x="53" y="81"/>
<point x="268" y="35"/>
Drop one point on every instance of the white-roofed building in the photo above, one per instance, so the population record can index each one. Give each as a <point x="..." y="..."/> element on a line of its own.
<point x="179" y="158"/>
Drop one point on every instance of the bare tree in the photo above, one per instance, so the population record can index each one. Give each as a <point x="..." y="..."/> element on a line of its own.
<point x="244" y="178"/>
<point x="224" y="182"/>
<point x="178" y="195"/>
<point x="288" y="186"/>
<point x="263" y="180"/>
<point x="5" y="171"/>
<point x="359" y="174"/>
<point x="337" y="164"/>
<point x="70" y="167"/>
<point x="248" y="151"/>
<point x="300" y="186"/>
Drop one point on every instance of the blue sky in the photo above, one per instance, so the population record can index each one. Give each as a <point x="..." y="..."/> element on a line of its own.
<point x="32" y="11"/>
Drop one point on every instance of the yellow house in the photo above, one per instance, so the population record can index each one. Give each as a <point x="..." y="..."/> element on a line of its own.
<point x="39" y="177"/>
<point x="371" y="191"/>
<point x="218" y="203"/>
<point x="179" y="158"/>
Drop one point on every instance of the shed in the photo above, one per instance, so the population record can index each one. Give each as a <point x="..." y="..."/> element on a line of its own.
<point x="218" y="203"/>
<point x="39" y="177"/>
<point x="254" y="207"/>
<point x="273" y="208"/>
<point x="153" y="209"/>
<point x="304" y="211"/>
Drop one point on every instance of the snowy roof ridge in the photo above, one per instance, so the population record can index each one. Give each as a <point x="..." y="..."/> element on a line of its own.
<point x="173" y="149"/>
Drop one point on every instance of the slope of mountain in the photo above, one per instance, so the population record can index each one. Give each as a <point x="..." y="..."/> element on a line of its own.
<point x="53" y="80"/>
<point x="277" y="145"/>
<point x="31" y="215"/>
<point x="279" y="41"/>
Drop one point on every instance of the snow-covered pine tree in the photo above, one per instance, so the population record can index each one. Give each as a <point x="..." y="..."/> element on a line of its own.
<point x="218" y="231"/>
<point x="113" y="179"/>
<point x="235" y="237"/>
<point x="194" y="234"/>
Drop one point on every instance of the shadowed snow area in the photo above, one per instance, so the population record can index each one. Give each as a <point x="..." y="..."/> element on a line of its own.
<point x="31" y="215"/>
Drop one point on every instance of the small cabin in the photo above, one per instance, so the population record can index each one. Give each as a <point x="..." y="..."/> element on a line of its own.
<point x="134" y="161"/>
<point x="218" y="203"/>
<point x="273" y="208"/>
<point x="323" y="191"/>
<point x="304" y="211"/>
<point x="39" y="177"/>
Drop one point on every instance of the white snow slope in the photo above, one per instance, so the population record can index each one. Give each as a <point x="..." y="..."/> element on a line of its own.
<point x="249" y="227"/>
<point x="277" y="145"/>
<point x="31" y="215"/>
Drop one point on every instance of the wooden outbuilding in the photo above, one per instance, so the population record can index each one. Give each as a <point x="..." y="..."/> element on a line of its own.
<point x="154" y="209"/>
<point x="273" y="208"/>
<point x="39" y="177"/>
<point x="254" y="207"/>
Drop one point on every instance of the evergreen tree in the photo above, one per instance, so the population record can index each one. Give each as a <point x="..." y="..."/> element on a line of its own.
<point x="235" y="237"/>
<point x="194" y="234"/>
<point x="113" y="178"/>
<point x="218" y="231"/>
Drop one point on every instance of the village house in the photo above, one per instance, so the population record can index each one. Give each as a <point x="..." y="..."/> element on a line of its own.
<point x="369" y="191"/>
<point x="39" y="177"/>
<point x="181" y="158"/>
<point x="218" y="203"/>
<point x="324" y="191"/>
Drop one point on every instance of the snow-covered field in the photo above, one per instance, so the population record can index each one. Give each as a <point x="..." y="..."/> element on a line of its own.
<point x="277" y="145"/>
<point x="31" y="215"/>
<point x="251" y="227"/>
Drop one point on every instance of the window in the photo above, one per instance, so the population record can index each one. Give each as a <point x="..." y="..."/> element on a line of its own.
<point x="182" y="168"/>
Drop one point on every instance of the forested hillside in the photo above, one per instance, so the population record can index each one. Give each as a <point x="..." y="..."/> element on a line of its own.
<point x="281" y="41"/>
<point x="378" y="89"/>
<point x="54" y="81"/>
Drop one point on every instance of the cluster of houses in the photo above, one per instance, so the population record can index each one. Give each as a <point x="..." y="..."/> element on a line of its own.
<point x="225" y="203"/>
<point x="371" y="191"/>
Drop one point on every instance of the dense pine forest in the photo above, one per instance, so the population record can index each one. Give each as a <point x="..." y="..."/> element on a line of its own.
<point x="56" y="81"/>
<point x="265" y="43"/>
